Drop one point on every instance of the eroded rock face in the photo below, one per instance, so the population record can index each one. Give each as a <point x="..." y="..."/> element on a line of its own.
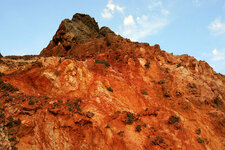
<point x="123" y="95"/>
<point x="72" y="33"/>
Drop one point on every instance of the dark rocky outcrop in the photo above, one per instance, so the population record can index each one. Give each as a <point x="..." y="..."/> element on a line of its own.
<point x="71" y="35"/>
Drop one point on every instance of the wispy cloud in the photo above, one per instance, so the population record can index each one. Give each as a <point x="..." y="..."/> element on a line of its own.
<point x="218" y="55"/>
<point x="158" y="7"/>
<point x="129" y="21"/>
<point x="142" y="26"/>
<point x="197" y="3"/>
<point x="106" y="14"/>
<point x="110" y="9"/>
<point x="217" y="27"/>
<point x="216" y="59"/>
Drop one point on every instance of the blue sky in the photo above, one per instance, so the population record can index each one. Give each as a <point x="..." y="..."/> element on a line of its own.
<point x="194" y="27"/>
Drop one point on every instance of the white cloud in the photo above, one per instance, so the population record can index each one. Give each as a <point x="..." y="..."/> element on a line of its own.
<point x="110" y="5"/>
<point x="218" y="55"/>
<point x="158" y="7"/>
<point x="217" y="27"/>
<point x="113" y="7"/>
<point x="142" y="26"/>
<point x="106" y="14"/>
<point x="129" y="20"/>
<point x="215" y="52"/>
<point x="216" y="59"/>
<point x="155" y="4"/>
<point x="137" y="28"/>
<point x="110" y="9"/>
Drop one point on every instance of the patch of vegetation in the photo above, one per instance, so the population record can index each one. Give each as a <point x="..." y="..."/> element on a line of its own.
<point x="12" y="139"/>
<point x="116" y="115"/>
<point x="110" y="89"/>
<point x="54" y="105"/>
<point x="144" y="92"/>
<point x="106" y="63"/>
<point x="138" y="128"/>
<point x="179" y="65"/>
<point x="173" y="119"/>
<point x="198" y="131"/>
<point x="158" y="140"/>
<point x="8" y="87"/>
<point x="120" y="133"/>
<point x="89" y="114"/>
<point x="201" y="140"/>
<point x="11" y="122"/>
<point x="31" y="102"/>
<point x="98" y="61"/>
<point x="39" y="64"/>
<point x="102" y="62"/>
<point x="107" y="126"/>
<point x="192" y="85"/>
<point x="161" y="82"/>
<point x="147" y="64"/>
<point x="130" y="118"/>
<point x="153" y="128"/>
<point x="217" y="101"/>
<point x="74" y="105"/>
<point x="60" y="101"/>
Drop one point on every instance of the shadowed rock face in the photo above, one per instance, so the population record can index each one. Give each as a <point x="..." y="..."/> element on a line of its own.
<point x="109" y="93"/>
<point x="72" y="33"/>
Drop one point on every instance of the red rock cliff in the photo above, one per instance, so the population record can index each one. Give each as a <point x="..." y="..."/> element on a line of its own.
<point x="93" y="89"/>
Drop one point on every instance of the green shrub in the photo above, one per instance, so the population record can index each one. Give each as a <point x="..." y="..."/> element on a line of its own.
<point x="120" y="133"/>
<point x="161" y="82"/>
<point x="31" y="102"/>
<point x="12" y="139"/>
<point x="179" y="65"/>
<point x="98" y="61"/>
<point x="130" y="118"/>
<point x="107" y="126"/>
<point x="74" y="104"/>
<point x="8" y="87"/>
<point x="110" y="89"/>
<point x="198" y="131"/>
<point x="138" y="128"/>
<point x="106" y="63"/>
<point x="201" y="140"/>
<point x="158" y="140"/>
<point x="90" y="114"/>
<point x="173" y="119"/>
<point x="144" y="92"/>
<point x="147" y="64"/>
<point x="102" y="62"/>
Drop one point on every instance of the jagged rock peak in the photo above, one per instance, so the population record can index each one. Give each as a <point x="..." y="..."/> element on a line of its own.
<point x="92" y="24"/>
<point x="71" y="33"/>
<point x="87" y="20"/>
